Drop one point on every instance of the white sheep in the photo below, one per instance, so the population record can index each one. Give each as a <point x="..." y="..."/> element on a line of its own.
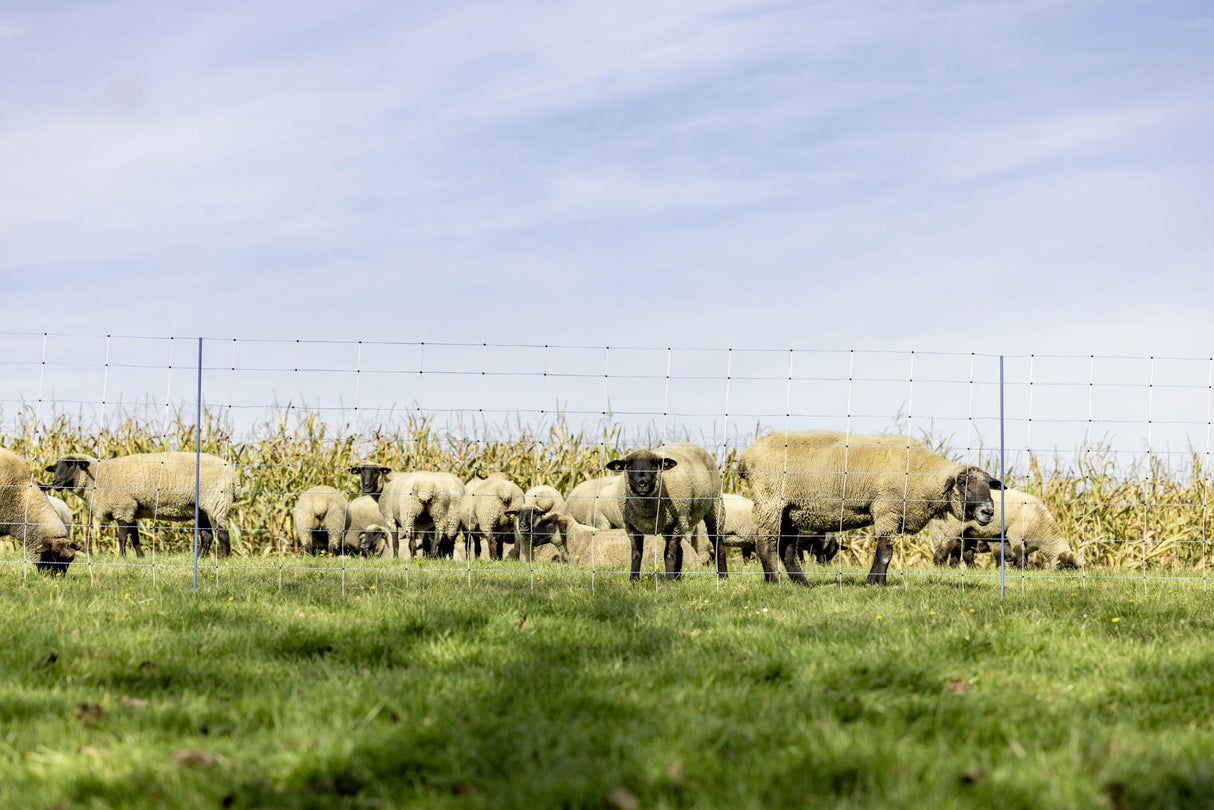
<point x="26" y="514"/>
<point x="822" y="481"/>
<point x="483" y="513"/>
<point x="152" y="486"/>
<point x="667" y="491"/>
<point x="548" y="499"/>
<point x="596" y="503"/>
<point x="422" y="508"/>
<point x="1029" y="527"/>
<point x="738" y="531"/>
<point x="321" y="519"/>
<point x="596" y="549"/>
<point x="366" y="530"/>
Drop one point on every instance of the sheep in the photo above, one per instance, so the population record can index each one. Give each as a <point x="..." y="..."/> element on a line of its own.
<point x="1029" y="527"/>
<point x="577" y="543"/>
<point x="818" y="481"/>
<point x="667" y="491"/>
<point x="60" y="506"/>
<point x="27" y="515"/>
<point x="547" y="498"/>
<point x="150" y="486"/>
<point x="366" y="530"/>
<point x="738" y="531"/>
<point x="321" y="519"/>
<point x="596" y="503"/>
<point x="423" y="507"/>
<point x="483" y="513"/>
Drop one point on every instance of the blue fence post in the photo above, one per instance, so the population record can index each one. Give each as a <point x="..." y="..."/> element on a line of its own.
<point x="197" y="459"/>
<point x="1002" y="472"/>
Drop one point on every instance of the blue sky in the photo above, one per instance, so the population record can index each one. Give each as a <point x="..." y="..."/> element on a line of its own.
<point x="1001" y="177"/>
<point x="1017" y="177"/>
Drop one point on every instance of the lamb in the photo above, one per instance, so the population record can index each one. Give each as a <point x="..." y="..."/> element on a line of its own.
<point x="1029" y="528"/>
<point x="483" y="513"/>
<point x="27" y="515"/>
<point x="819" y="481"/>
<point x="423" y="507"/>
<point x="596" y="503"/>
<point x="667" y="491"/>
<point x="321" y="518"/>
<point x="150" y="486"/>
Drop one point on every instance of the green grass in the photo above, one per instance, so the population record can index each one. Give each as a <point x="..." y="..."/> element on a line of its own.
<point x="288" y="688"/>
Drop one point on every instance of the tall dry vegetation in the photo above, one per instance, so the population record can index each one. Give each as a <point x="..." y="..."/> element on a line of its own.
<point x="1148" y="515"/>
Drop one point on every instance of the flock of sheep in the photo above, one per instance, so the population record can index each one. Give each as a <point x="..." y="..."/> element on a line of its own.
<point x="806" y="486"/>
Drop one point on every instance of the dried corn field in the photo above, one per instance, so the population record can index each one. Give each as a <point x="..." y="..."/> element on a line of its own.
<point x="1150" y="516"/>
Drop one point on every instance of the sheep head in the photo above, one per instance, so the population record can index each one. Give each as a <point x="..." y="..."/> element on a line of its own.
<point x="642" y="469"/>
<point x="73" y="472"/>
<point x="532" y="527"/>
<point x="53" y="556"/>
<point x="372" y="540"/>
<point x="371" y="477"/>
<point x="969" y="495"/>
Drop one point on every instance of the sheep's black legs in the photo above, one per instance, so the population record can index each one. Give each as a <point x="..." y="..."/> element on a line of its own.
<point x="881" y="558"/>
<point x="129" y="532"/>
<point x="788" y="551"/>
<point x="638" y="548"/>
<point x="674" y="557"/>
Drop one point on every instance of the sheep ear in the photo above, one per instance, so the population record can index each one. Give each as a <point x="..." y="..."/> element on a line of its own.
<point x="616" y="465"/>
<point x="996" y="483"/>
<point x="949" y="483"/>
<point x="511" y="513"/>
<point x="53" y="467"/>
<point x="668" y="463"/>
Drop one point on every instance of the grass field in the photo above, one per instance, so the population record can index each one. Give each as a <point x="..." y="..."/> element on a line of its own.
<point x="317" y="687"/>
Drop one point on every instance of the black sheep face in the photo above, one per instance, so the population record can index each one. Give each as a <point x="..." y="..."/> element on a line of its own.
<point x="66" y="472"/>
<point x="55" y="558"/>
<point x="973" y="495"/>
<point x="371" y="477"/>
<point x="372" y="541"/>
<point x="643" y="470"/>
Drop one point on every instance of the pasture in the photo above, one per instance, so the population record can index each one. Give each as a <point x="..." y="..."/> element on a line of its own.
<point x="339" y="683"/>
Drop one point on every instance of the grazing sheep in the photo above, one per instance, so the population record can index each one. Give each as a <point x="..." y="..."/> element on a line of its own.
<point x="321" y="518"/>
<point x="595" y="549"/>
<point x="27" y="515"/>
<point x="483" y="513"/>
<point x="365" y="521"/>
<point x="822" y="481"/>
<point x="667" y="491"/>
<point x="152" y="486"/>
<point x="423" y="508"/>
<point x="1029" y="527"/>
<point x="596" y="503"/>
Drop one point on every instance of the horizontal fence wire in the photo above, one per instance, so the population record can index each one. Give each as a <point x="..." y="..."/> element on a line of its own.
<point x="1116" y="448"/>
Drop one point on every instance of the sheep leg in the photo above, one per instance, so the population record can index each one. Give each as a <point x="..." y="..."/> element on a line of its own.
<point x="674" y="557"/>
<point x="638" y="549"/>
<point x="496" y="544"/>
<point x="768" y="514"/>
<point x="949" y="553"/>
<point x="882" y="556"/>
<point x="789" y="547"/>
<point x="712" y="525"/>
<point x="220" y="533"/>
<point x="129" y="532"/>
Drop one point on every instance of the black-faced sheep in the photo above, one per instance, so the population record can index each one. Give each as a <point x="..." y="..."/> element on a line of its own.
<point x="152" y="486"/>
<point x="27" y="515"/>
<point x="822" y="481"/>
<point x="1029" y="527"/>
<point x="667" y="491"/>
<point x="483" y="513"/>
